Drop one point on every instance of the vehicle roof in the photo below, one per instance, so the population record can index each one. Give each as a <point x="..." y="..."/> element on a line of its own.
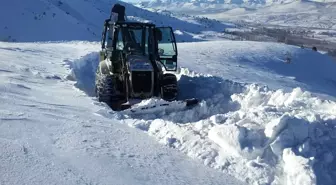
<point x="134" y="23"/>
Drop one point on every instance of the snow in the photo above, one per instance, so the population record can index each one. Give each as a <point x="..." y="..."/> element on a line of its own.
<point x="267" y="111"/>
<point x="263" y="63"/>
<point x="295" y="165"/>
<point x="312" y="14"/>
<point x="53" y="133"/>
<point x="250" y="124"/>
<point x="258" y="116"/>
<point x="51" y="20"/>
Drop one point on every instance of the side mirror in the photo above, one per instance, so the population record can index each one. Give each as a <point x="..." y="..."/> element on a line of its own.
<point x="161" y="51"/>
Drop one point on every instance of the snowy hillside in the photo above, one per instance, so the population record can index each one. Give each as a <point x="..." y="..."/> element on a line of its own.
<point x="53" y="130"/>
<point x="305" y="14"/>
<point x="316" y="14"/>
<point x="218" y="3"/>
<point x="54" y="20"/>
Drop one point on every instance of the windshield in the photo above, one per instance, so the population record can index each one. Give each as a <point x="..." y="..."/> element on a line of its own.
<point x="134" y="39"/>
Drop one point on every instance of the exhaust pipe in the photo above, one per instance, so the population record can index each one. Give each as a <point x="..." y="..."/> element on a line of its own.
<point x="118" y="12"/>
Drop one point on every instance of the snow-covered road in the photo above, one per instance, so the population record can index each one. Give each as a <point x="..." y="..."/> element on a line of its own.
<point x="53" y="133"/>
<point x="53" y="130"/>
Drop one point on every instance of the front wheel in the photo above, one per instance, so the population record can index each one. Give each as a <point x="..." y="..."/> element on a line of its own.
<point x="107" y="92"/>
<point x="168" y="87"/>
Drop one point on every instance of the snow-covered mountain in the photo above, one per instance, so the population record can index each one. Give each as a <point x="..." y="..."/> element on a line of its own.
<point x="198" y="3"/>
<point x="211" y="3"/>
<point x="261" y="118"/>
<point x="78" y="20"/>
<point x="303" y="13"/>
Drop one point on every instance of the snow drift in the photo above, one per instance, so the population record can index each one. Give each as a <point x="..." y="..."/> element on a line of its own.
<point x="254" y="133"/>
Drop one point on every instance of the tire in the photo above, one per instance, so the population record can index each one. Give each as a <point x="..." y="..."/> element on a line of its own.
<point x="107" y="92"/>
<point x="168" y="88"/>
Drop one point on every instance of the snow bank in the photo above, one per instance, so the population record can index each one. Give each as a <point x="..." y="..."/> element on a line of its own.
<point x="83" y="71"/>
<point x="293" y="136"/>
<point x="300" y="131"/>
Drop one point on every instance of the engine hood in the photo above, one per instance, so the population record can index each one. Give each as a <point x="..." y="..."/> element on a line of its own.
<point x="139" y="63"/>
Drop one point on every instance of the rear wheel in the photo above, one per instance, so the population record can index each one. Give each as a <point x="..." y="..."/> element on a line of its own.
<point x="168" y="87"/>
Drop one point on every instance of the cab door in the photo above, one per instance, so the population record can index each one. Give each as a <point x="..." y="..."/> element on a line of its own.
<point x="167" y="48"/>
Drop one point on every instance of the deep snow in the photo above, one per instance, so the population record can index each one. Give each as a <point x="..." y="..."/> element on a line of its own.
<point x="277" y="127"/>
<point x="260" y="120"/>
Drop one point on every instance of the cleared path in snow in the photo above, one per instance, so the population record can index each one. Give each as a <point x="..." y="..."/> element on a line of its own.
<point x="245" y="130"/>
<point x="52" y="133"/>
<point x="252" y="132"/>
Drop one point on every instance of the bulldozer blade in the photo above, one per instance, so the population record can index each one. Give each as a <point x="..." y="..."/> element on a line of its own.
<point x="173" y="106"/>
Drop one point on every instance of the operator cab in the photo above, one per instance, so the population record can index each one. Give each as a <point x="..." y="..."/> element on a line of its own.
<point x="129" y="37"/>
<point x="156" y="43"/>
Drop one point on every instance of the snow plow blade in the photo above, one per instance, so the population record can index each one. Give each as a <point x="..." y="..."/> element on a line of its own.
<point x="166" y="106"/>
